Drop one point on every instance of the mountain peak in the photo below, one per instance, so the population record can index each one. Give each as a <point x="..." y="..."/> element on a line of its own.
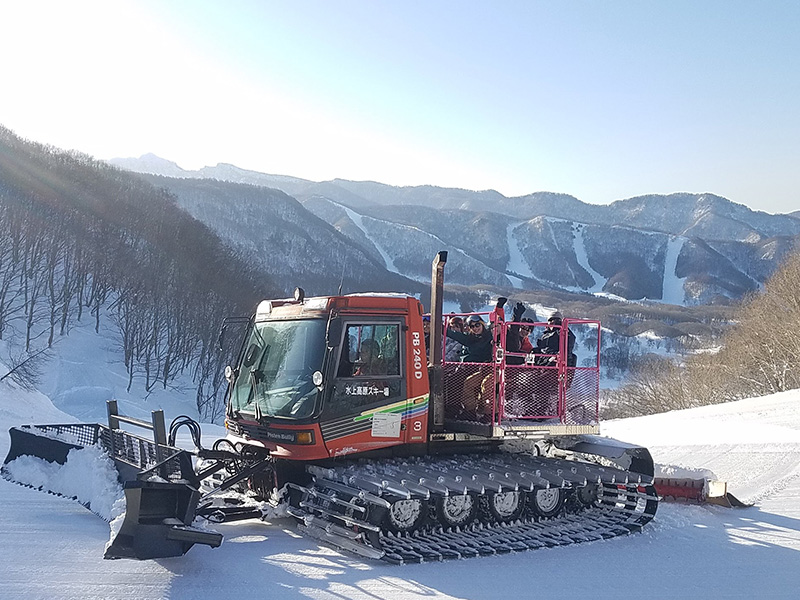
<point x="151" y="164"/>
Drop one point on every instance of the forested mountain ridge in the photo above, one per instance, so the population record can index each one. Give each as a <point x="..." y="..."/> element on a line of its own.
<point x="681" y="248"/>
<point x="275" y="232"/>
<point x="79" y="238"/>
<point x="676" y="214"/>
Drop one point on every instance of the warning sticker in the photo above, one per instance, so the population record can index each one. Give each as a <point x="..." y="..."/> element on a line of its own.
<point x="386" y="425"/>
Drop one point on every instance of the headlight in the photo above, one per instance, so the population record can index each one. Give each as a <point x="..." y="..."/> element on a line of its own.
<point x="305" y="437"/>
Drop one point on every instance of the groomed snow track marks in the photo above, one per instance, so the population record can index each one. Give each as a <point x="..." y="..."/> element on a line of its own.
<point x="346" y="506"/>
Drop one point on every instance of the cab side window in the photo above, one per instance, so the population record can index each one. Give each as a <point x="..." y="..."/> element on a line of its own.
<point x="369" y="370"/>
<point x="370" y="350"/>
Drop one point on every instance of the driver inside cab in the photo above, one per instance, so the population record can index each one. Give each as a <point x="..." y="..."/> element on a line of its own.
<point x="370" y="362"/>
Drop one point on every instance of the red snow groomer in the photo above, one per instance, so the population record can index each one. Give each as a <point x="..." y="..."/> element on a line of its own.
<point x="338" y="412"/>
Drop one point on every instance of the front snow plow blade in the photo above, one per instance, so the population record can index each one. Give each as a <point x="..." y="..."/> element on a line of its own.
<point x="55" y="459"/>
<point x="161" y="491"/>
<point x="27" y="441"/>
<point x="158" y="522"/>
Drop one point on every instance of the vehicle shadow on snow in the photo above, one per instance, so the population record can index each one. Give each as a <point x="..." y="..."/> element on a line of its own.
<point x="743" y="551"/>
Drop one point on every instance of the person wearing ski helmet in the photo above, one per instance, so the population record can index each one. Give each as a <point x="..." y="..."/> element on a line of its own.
<point x="547" y="349"/>
<point x="550" y="341"/>
<point x="477" y="348"/>
<point x="453" y="349"/>
<point x="426" y="329"/>
<point x="477" y="342"/>
<point x="517" y="341"/>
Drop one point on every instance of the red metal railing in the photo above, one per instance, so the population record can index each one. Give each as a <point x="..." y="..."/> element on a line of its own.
<point x="527" y="386"/>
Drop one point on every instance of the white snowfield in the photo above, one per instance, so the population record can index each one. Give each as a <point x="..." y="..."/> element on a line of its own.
<point x="51" y="548"/>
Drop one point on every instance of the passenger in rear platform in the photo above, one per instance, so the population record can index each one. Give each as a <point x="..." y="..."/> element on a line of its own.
<point x="550" y="342"/>
<point x="452" y="349"/>
<point x="519" y="383"/>
<point x="477" y="349"/>
<point x="519" y="342"/>
<point x="426" y="330"/>
<point x="547" y="350"/>
<point x="477" y="342"/>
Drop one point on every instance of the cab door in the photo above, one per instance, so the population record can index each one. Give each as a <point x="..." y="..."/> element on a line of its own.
<point x="364" y="408"/>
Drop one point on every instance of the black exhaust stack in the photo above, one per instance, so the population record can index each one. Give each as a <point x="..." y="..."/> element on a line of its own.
<point x="435" y="375"/>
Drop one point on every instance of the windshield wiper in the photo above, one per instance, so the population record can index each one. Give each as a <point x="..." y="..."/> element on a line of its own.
<point x="256" y="376"/>
<point x="254" y="379"/>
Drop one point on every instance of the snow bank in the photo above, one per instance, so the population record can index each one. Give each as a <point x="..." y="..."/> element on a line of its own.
<point x="88" y="476"/>
<point x="770" y="420"/>
<point x="753" y="444"/>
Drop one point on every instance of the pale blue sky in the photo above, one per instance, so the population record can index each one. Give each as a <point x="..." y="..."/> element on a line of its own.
<point x="601" y="100"/>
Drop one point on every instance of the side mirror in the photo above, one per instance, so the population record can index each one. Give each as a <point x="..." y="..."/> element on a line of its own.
<point x="224" y="326"/>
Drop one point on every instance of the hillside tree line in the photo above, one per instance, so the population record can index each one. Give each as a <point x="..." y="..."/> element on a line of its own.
<point x="758" y="355"/>
<point x="80" y="239"/>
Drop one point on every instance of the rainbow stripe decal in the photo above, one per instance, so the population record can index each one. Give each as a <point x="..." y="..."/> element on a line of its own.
<point x="410" y="407"/>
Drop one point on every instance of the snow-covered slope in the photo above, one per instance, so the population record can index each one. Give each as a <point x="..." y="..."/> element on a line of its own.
<point x="51" y="548"/>
<point x="752" y="444"/>
<point x="86" y="368"/>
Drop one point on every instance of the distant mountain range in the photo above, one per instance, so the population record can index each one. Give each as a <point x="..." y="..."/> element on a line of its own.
<point x="680" y="248"/>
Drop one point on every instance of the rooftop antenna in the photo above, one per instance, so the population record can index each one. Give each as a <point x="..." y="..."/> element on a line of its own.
<point x="341" y="281"/>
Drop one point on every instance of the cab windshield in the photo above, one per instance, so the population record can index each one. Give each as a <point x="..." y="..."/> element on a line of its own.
<point x="275" y="374"/>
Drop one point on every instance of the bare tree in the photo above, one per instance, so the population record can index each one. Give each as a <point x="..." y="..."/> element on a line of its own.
<point x="26" y="368"/>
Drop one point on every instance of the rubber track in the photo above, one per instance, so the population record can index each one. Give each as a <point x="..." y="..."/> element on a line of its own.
<point x="336" y="508"/>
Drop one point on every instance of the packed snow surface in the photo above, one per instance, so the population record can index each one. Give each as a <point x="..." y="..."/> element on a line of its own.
<point x="52" y="547"/>
<point x="673" y="291"/>
<point x="583" y="260"/>
<point x="516" y="261"/>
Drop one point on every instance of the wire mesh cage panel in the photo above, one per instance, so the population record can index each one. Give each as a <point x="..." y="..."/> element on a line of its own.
<point x="470" y="391"/>
<point x="54" y="442"/>
<point x="80" y="434"/>
<point x="558" y="378"/>
<point x="141" y="453"/>
<point x="531" y="392"/>
<point x="580" y="396"/>
<point x="581" y="389"/>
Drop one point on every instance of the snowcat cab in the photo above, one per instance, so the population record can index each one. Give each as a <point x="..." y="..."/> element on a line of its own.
<point x="321" y="378"/>
<point x="335" y="413"/>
